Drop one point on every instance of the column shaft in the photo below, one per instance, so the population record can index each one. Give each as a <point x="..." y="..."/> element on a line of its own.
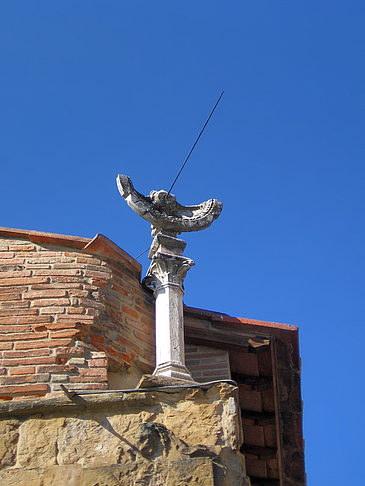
<point x="169" y="324"/>
<point x="168" y="273"/>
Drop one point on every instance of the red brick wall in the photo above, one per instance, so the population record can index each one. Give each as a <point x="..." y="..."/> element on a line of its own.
<point x="206" y="363"/>
<point x="67" y="316"/>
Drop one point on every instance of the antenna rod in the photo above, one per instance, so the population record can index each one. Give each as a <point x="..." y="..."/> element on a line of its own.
<point x="196" y="141"/>
<point x="143" y="252"/>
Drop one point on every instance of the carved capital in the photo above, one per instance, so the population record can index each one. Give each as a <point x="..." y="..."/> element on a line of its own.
<point x="167" y="269"/>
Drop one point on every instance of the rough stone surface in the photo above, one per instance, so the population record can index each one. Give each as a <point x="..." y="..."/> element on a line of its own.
<point x="169" y="437"/>
<point x="37" y="445"/>
<point x="8" y="444"/>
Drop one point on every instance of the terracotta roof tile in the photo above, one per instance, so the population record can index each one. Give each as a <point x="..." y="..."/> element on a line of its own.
<point x="100" y="244"/>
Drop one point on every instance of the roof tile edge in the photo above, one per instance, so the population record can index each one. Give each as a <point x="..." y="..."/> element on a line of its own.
<point x="40" y="236"/>
<point x="225" y="318"/>
<point x="100" y="244"/>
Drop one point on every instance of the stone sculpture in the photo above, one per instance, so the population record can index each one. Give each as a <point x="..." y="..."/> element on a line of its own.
<point x="164" y="213"/>
<point x="168" y="267"/>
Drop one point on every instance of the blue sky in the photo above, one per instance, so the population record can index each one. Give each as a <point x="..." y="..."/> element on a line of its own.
<point x="93" y="88"/>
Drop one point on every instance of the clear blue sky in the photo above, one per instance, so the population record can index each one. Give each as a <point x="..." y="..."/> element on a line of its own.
<point x="92" y="88"/>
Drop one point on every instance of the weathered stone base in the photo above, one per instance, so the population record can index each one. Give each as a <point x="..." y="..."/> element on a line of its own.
<point x="172" y="437"/>
<point x="173" y="370"/>
<point x="198" y="471"/>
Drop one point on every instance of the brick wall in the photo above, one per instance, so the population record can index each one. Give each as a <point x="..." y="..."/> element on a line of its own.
<point x="72" y="311"/>
<point x="206" y="363"/>
<point x="68" y="314"/>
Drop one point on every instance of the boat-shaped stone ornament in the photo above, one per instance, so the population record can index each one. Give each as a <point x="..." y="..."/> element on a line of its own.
<point x="164" y="213"/>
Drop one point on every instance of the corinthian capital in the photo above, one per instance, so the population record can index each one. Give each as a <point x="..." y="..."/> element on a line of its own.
<point x="167" y="269"/>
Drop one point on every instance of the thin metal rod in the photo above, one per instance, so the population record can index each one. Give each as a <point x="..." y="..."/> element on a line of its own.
<point x="188" y="156"/>
<point x="196" y="141"/>
<point x="143" y="252"/>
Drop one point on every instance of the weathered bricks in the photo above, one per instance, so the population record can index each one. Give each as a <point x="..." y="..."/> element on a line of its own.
<point x="22" y="281"/>
<point x="87" y="259"/>
<point x="10" y="296"/>
<point x="75" y="319"/>
<point x="14" y="306"/>
<point x="64" y="279"/>
<point x="52" y="310"/>
<point x="11" y="329"/>
<point x="64" y="333"/>
<point x="207" y="364"/>
<point x="53" y="369"/>
<point x="50" y="302"/>
<point x="57" y="285"/>
<point x="98" y="362"/>
<point x="56" y="305"/>
<point x="54" y="326"/>
<point x="16" y="273"/>
<point x="23" y="336"/>
<point x="36" y="389"/>
<point x="76" y="310"/>
<point x="58" y="272"/>
<point x="26" y="354"/>
<point x="7" y="255"/>
<point x="22" y="370"/>
<point x="87" y="379"/>
<point x="91" y="372"/>
<point x="28" y="361"/>
<point x="38" y="294"/>
<point x="25" y="319"/>
<point x="51" y="343"/>
<point x="6" y="290"/>
<point x="20" y="311"/>
<point x="22" y="247"/>
<point x="4" y="346"/>
<point x="83" y="386"/>
<point x="130" y="312"/>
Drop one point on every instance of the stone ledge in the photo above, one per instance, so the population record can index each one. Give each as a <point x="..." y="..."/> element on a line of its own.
<point x="171" y="435"/>
<point x="118" y="399"/>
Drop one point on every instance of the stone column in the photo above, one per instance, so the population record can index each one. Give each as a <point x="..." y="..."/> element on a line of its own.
<point x="166" y="276"/>
<point x="168" y="268"/>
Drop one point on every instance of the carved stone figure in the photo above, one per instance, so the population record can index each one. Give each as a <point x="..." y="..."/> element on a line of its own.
<point x="164" y="213"/>
<point x="168" y="268"/>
